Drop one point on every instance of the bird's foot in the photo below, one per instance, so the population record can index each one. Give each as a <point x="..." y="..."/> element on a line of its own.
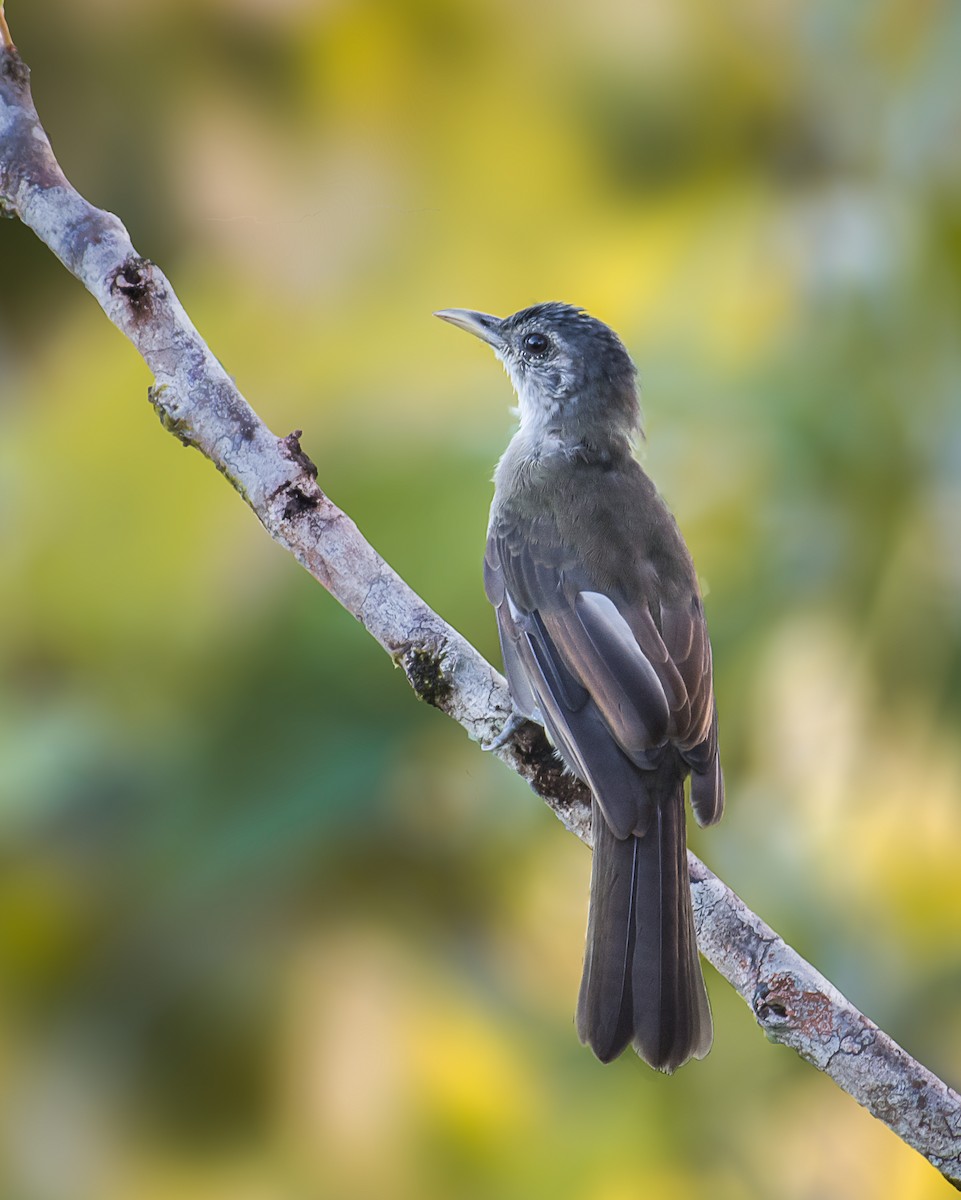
<point x="511" y="726"/>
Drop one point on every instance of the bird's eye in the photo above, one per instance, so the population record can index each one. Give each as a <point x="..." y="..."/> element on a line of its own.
<point x="537" y="344"/>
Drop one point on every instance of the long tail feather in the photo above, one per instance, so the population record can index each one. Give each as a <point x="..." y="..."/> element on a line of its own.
<point x="642" y="981"/>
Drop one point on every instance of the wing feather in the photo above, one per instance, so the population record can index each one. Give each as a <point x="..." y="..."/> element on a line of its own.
<point x="612" y="685"/>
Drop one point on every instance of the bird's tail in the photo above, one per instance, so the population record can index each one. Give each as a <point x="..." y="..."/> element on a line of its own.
<point x="642" y="980"/>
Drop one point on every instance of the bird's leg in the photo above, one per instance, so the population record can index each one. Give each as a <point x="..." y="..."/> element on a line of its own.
<point x="511" y="726"/>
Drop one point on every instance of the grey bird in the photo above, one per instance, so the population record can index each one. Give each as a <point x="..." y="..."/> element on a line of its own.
<point x="605" y="643"/>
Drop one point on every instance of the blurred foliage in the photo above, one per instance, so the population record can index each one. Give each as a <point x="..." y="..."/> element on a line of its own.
<point x="270" y="929"/>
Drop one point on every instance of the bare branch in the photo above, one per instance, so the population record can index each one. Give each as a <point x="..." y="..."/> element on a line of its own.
<point x="197" y="401"/>
<point x="795" y="1005"/>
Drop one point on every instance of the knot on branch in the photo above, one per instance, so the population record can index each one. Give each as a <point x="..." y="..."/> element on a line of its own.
<point x="426" y="672"/>
<point x="133" y="280"/>
<point x="302" y="492"/>
<point x="290" y="448"/>
<point x="781" y="1003"/>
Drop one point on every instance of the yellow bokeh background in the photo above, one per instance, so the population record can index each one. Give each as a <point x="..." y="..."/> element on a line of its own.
<point x="269" y="928"/>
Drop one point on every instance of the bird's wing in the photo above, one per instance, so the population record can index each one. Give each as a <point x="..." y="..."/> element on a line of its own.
<point x="684" y="635"/>
<point x="611" y="687"/>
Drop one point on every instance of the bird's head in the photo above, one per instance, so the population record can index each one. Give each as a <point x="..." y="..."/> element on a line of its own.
<point x="571" y="372"/>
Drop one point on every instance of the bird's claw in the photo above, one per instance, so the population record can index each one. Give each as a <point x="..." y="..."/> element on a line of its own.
<point x="511" y="726"/>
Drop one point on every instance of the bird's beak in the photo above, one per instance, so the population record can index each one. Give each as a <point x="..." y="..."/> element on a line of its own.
<point x="481" y="325"/>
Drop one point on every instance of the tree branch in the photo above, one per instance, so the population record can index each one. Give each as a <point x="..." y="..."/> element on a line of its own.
<point x="197" y="401"/>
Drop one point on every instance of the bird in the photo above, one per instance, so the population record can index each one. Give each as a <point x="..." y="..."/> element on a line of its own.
<point x="605" y="644"/>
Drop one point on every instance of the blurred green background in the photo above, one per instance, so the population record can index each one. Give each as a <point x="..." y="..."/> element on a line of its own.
<point x="269" y="928"/>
